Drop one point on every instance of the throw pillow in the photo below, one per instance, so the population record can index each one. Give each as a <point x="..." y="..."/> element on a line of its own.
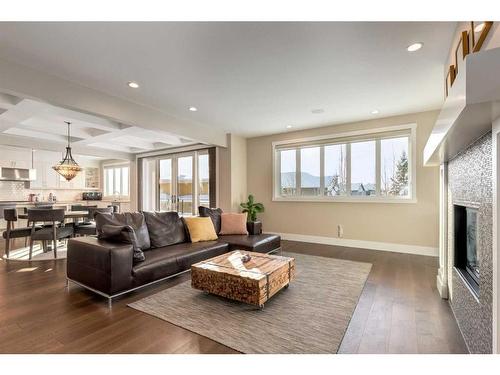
<point x="233" y="224"/>
<point x="122" y="233"/>
<point x="212" y="213"/>
<point x="134" y="219"/>
<point x="165" y="228"/>
<point x="200" y="229"/>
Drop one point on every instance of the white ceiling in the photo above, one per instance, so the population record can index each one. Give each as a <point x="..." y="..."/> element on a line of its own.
<point x="41" y="121"/>
<point x="246" y="78"/>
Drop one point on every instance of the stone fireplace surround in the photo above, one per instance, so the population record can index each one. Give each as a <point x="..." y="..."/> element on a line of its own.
<point x="470" y="184"/>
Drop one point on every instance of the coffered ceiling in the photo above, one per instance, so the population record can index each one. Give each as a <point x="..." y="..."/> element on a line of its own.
<point x="40" y="122"/>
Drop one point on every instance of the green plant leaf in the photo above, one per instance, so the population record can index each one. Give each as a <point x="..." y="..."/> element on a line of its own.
<point x="259" y="207"/>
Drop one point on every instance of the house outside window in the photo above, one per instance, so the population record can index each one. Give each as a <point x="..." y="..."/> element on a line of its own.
<point x="376" y="165"/>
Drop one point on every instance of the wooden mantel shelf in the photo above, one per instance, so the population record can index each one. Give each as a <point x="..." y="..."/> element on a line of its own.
<point x="469" y="110"/>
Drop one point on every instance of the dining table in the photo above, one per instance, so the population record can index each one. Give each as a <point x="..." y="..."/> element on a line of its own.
<point x="67" y="215"/>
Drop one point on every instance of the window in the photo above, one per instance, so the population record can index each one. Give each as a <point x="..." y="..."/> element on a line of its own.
<point x="335" y="170"/>
<point x="376" y="165"/>
<point x="394" y="166"/>
<point x="203" y="180"/>
<point x="363" y="168"/>
<point x="116" y="181"/>
<point x="288" y="176"/>
<point x="310" y="171"/>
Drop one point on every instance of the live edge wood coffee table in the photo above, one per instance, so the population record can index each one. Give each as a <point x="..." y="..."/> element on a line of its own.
<point x="253" y="282"/>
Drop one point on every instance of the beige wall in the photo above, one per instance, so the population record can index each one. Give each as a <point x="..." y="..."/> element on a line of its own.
<point x="238" y="171"/>
<point x="399" y="223"/>
<point x="232" y="173"/>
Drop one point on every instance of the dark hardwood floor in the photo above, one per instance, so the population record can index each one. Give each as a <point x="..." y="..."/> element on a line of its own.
<point x="399" y="311"/>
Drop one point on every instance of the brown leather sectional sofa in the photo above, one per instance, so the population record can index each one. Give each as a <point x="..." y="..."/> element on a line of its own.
<point x="110" y="268"/>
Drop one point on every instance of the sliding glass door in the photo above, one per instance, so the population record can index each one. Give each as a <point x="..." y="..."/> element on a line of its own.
<point x="185" y="190"/>
<point x="182" y="180"/>
<point x="165" y="186"/>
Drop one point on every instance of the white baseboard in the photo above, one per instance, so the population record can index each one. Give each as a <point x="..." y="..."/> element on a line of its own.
<point x="372" y="245"/>
<point x="441" y="286"/>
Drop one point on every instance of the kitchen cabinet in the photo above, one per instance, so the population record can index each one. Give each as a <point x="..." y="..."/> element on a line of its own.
<point x="40" y="175"/>
<point x="46" y="177"/>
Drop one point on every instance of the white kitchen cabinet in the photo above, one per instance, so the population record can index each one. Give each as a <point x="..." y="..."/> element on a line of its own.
<point x="52" y="176"/>
<point x="40" y="175"/>
<point x="15" y="158"/>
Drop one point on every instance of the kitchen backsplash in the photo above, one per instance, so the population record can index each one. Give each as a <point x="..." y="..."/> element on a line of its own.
<point x="15" y="191"/>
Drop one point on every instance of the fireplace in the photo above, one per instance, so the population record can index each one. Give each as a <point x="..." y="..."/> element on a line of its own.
<point x="466" y="258"/>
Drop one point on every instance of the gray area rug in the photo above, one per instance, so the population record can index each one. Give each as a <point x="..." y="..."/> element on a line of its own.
<point x="311" y="316"/>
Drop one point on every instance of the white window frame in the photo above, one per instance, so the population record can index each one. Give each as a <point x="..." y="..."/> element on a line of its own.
<point x="348" y="138"/>
<point x="116" y="168"/>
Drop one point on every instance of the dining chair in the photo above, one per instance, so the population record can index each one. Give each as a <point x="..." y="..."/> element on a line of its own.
<point x="115" y="207"/>
<point x="81" y="207"/>
<point x="10" y="216"/>
<point x="55" y="232"/>
<point x="90" y="229"/>
<point x="38" y="206"/>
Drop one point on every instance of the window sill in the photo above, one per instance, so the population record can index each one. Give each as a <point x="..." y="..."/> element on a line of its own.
<point x="346" y="200"/>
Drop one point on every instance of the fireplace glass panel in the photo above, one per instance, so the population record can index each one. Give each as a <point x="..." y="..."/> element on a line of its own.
<point x="466" y="259"/>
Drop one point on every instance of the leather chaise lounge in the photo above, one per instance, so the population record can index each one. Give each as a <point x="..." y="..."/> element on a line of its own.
<point x="109" y="268"/>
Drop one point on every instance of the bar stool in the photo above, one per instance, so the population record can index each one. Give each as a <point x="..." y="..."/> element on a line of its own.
<point x="10" y="216"/>
<point x="51" y="233"/>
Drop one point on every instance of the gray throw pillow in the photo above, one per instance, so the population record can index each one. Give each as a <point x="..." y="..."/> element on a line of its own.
<point x="122" y="233"/>
<point x="212" y="213"/>
<point x="165" y="228"/>
<point x="134" y="219"/>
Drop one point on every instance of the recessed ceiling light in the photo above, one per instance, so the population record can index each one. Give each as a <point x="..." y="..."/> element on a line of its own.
<point x="375" y="112"/>
<point x="289" y="126"/>
<point x="193" y="109"/>
<point x="317" y="111"/>
<point x="133" y="85"/>
<point x="479" y="27"/>
<point x="415" y="47"/>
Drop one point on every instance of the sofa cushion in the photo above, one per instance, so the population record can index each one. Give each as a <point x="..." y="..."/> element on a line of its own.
<point x="200" y="229"/>
<point x="232" y="223"/>
<point x="165" y="228"/>
<point x="134" y="219"/>
<point x="191" y="253"/>
<point x="261" y="243"/>
<point x="159" y="263"/>
<point x="212" y="213"/>
<point x="169" y="260"/>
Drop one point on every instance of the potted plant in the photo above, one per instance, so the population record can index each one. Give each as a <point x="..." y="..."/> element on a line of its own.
<point x="252" y="209"/>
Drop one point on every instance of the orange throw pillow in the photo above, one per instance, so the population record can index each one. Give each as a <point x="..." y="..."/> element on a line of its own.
<point x="200" y="229"/>
<point x="233" y="223"/>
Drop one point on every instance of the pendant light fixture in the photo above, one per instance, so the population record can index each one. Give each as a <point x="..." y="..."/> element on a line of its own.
<point x="68" y="167"/>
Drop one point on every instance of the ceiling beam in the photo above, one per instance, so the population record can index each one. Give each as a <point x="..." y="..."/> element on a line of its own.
<point x="7" y="101"/>
<point x="12" y="140"/>
<point x="19" y="80"/>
